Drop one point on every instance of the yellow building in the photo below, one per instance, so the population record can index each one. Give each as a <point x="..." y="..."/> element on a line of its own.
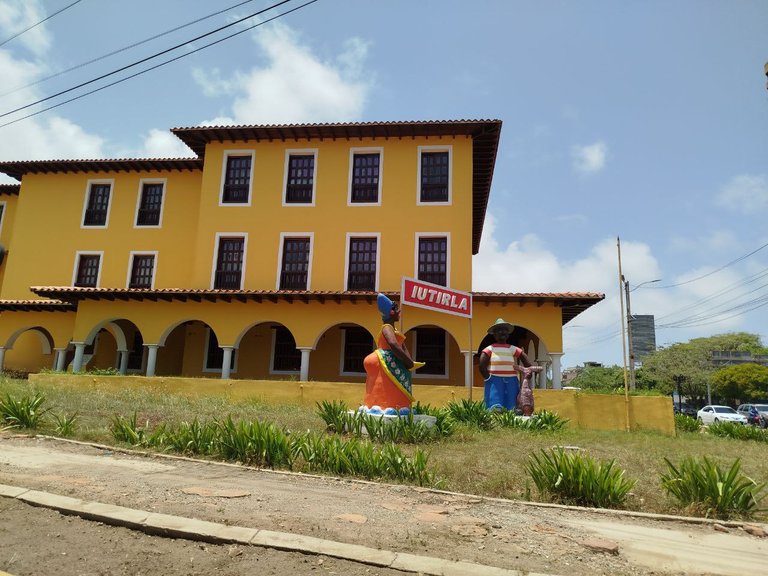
<point x="261" y="257"/>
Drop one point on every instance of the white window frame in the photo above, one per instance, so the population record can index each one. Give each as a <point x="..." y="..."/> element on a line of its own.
<point x="437" y="148"/>
<point x="142" y="182"/>
<point x="415" y="344"/>
<point x="4" y="205"/>
<point x="111" y="182"/>
<point x="351" y="235"/>
<point x="208" y="370"/>
<point x="131" y="255"/>
<point x="447" y="236"/>
<point x="300" y="152"/>
<point x="219" y="235"/>
<point x="272" y="371"/>
<point x="78" y="253"/>
<point x="225" y="157"/>
<point x="352" y="153"/>
<point x="283" y="236"/>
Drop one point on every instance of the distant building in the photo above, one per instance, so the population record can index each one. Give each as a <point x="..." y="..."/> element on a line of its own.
<point x="643" y="336"/>
<point x="722" y="358"/>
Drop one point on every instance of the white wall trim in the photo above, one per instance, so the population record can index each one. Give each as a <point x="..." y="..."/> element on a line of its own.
<point x="131" y="255"/>
<point x="352" y="153"/>
<point x="300" y="152"/>
<point x="272" y="353"/>
<point x="447" y="236"/>
<point x="225" y="157"/>
<point x="219" y="235"/>
<point x="435" y="148"/>
<point x="351" y="235"/>
<point x="78" y="253"/>
<point x="88" y="185"/>
<point x="142" y="182"/>
<point x="283" y="236"/>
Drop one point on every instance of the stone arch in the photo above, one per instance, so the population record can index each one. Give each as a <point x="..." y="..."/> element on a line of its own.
<point x="46" y="340"/>
<point x="339" y="351"/>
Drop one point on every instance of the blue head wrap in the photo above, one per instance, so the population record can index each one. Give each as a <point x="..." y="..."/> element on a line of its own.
<point x="385" y="306"/>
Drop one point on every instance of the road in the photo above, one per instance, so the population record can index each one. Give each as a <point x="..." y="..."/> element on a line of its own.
<point x="509" y="535"/>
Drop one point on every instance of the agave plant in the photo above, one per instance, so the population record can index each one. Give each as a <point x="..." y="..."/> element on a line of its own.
<point x="702" y="486"/>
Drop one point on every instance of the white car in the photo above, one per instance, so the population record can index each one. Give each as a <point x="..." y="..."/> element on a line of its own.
<point x="713" y="414"/>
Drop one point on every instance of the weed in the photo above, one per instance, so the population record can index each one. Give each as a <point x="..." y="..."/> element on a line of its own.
<point x="684" y="423"/>
<point x="65" y="425"/>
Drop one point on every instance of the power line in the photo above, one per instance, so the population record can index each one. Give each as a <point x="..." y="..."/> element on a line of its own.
<point x="159" y="65"/>
<point x="739" y="259"/>
<point x="143" y="60"/>
<point x="123" y="49"/>
<point x="4" y="42"/>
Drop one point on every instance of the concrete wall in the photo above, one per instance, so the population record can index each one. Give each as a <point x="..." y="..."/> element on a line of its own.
<point x="588" y="411"/>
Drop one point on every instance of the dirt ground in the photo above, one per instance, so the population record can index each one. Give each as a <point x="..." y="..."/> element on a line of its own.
<point x="504" y="534"/>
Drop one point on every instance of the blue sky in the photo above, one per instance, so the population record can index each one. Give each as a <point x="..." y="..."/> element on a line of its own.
<point x="641" y="120"/>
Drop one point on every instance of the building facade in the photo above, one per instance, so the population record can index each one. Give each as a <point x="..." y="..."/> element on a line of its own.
<point x="261" y="257"/>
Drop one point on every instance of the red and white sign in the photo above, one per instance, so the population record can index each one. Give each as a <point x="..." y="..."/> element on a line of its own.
<point x="435" y="297"/>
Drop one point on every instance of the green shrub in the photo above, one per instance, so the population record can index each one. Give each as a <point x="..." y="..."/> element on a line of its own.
<point x="573" y="478"/>
<point x="738" y="431"/>
<point x="541" y="421"/>
<point x="684" y="423"/>
<point x="702" y="487"/>
<point x="473" y="413"/>
<point x="333" y="414"/>
<point x="26" y="412"/>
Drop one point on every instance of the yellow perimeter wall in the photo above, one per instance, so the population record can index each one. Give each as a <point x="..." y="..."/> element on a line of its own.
<point x="589" y="411"/>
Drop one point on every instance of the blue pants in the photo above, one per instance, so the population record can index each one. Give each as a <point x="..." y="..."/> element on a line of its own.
<point x="501" y="392"/>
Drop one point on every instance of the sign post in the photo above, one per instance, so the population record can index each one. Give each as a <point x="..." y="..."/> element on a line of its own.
<point x="440" y="299"/>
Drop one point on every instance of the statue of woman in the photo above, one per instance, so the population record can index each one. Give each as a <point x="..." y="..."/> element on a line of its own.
<point x="388" y="387"/>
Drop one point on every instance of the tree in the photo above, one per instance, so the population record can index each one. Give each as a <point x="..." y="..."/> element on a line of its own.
<point x="600" y="378"/>
<point x="741" y="383"/>
<point x="690" y="363"/>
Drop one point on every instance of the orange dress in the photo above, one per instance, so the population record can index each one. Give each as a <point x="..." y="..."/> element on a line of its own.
<point x="387" y="382"/>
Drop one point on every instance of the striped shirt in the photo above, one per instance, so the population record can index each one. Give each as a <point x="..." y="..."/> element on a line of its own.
<point x="503" y="358"/>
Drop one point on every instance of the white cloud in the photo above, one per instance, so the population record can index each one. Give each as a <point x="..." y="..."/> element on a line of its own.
<point x="164" y="144"/>
<point x="685" y="311"/>
<point x="17" y="15"/>
<point x="746" y="193"/>
<point x="589" y="159"/>
<point x="295" y="86"/>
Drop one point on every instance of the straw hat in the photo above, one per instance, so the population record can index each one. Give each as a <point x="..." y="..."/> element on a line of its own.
<point x="500" y="323"/>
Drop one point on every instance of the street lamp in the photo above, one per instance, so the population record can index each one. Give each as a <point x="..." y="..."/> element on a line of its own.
<point x="629" y="328"/>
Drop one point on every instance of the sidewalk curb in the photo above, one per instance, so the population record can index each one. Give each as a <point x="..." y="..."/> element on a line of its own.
<point x="214" y="533"/>
<point x="582" y="509"/>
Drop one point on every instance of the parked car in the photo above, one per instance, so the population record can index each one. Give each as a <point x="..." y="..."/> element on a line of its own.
<point x="686" y="409"/>
<point x="756" y="414"/>
<point x="712" y="414"/>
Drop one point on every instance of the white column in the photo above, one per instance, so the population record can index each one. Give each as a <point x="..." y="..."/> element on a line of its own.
<point x="2" y="357"/>
<point x="542" y="376"/>
<point x="556" y="370"/>
<point x="77" y="363"/>
<point x="227" y="361"/>
<point x="61" y="357"/>
<point x="151" y="358"/>
<point x="467" y="368"/>
<point x="123" y="369"/>
<point x="304" y="373"/>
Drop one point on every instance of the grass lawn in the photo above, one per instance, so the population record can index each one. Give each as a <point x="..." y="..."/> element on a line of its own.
<point x="470" y="461"/>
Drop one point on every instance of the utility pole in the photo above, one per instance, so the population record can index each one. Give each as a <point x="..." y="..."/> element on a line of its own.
<point x="629" y="339"/>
